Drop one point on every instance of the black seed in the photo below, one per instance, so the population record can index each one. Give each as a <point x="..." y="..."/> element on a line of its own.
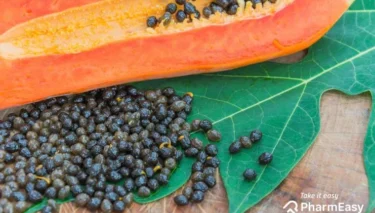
<point x="187" y="191"/>
<point x="149" y="172"/>
<point x="185" y="142"/>
<point x="212" y="162"/>
<point x="245" y="142"/>
<point x="9" y="158"/>
<point x="144" y="191"/>
<point x="205" y="125"/>
<point x="216" y="8"/>
<point x="209" y="171"/>
<point x="51" y="193"/>
<point x="94" y="170"/>
<point x="34" y="196"/>
<point x="161" y="112"/>
<point x="265" y="158"/>
<point x="140" y="181"/>
<point x="178" y="155"/>
<point x="47" y="209"/>
<point x="90" y="190"/>
<point x="200" y="186"/>
<point x="191" y="152"/>
<point x="211" y="150"/>
<point x="162" y="178"/>
<point x="213" y="135"/>
<point x="197" y="197"/>
<point x="63" y="192"/>
<point x="223" y="3"/>
<point x="119" y="206"/>
<point x="195" y="142"/>
<point x="189" y="8"/>
<point x="114" y="176"/>
<point x="76" y="189"/>
<point x="171" y="7"/>
<point x="18" y="196"/>
<point x="25" y="152"/>
<point x="256" y="2"/>
<point x="207" y="12"/>
<point x="11" y="147"/>
<point x="22" y="206"/>
<point x="29" y="187"/>
<point x="196" y="15"/>
<point x="232" y="9"/>
<point x="197" y="166"/>
<point x="249" y="174"/>
<point x="93" y="203"/>
<point x="166" y="18"/>
<point x="82" y="199"/>
<point x="41" y="185"/>
<point x="197" y="176"/>
<point x="202" y="156"/>
<point x="235" y="147"/>
<point x="99" y="194"/>
<point x="181" y="200"/>
<point x="151" y="159"/>
<point x="153" y="184"/>
<point x="129" y="184"/>
<point x="106" y="206"/>
<point x="210" y="181"/>
<point x="165" y="152"/>
<point x="109" y="188"/>
<point x="112" y="196"/>
<point x="255" y="136"/>
<point x="120" y="191"/>
<point x="178" y="106"/>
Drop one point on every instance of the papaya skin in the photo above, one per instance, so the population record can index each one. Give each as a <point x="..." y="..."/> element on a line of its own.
<point x="207" y="49"/>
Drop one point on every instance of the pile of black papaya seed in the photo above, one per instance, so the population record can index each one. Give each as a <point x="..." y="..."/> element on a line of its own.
<point x="189" y="11"/>
<point x="100" y="147"/>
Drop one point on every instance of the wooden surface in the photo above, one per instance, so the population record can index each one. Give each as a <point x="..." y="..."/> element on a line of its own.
<point x="333" y="165"/>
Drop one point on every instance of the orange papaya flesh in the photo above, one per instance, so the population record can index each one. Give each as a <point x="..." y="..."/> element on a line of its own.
<point x="94" y="44"/>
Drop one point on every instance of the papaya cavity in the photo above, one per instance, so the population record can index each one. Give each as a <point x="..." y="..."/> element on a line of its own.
<point x="90" y="26"/>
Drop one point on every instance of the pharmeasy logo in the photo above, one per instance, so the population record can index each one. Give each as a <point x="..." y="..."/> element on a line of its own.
<point x="293" y="207"/>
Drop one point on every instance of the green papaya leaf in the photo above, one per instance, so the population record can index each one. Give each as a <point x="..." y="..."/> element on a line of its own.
<point x="282" y="101"/>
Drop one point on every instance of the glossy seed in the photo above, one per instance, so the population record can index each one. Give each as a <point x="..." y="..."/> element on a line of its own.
<point x="235" y="147"/>
<point x="207" y="12"/>
<point x="171" y="7"/>
<point x="181" y="200"/>
<point x="211" y="150"/>
<point x="166" y="18"/>
<point x="197" y="197"/>
<point x="213" y="135"/>
<point x="265" y="158"/>
<point x="187" y="191"/>
<point x="205" y="125"/>
<point x="152" y="21"/>
<point x="245" y="142"/>
<point x="232" y="9"/>
<point x="255" y="136"/>
<point x="249" y="174"/>
<point x="189" y="8"/>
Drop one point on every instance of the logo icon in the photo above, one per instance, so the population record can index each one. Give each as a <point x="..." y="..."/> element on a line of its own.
<point x="292" y="206"/>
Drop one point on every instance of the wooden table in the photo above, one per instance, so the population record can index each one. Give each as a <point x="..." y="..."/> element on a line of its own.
<point x="333" y="165"/>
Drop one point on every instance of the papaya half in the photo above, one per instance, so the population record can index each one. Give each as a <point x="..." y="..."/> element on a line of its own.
<point x="57" y="47"/>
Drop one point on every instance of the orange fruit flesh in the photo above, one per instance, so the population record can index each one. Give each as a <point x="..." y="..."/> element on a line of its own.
<point x="75" y="49"/>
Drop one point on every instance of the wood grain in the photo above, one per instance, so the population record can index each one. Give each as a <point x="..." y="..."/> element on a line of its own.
<point x="333" y="165"/>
